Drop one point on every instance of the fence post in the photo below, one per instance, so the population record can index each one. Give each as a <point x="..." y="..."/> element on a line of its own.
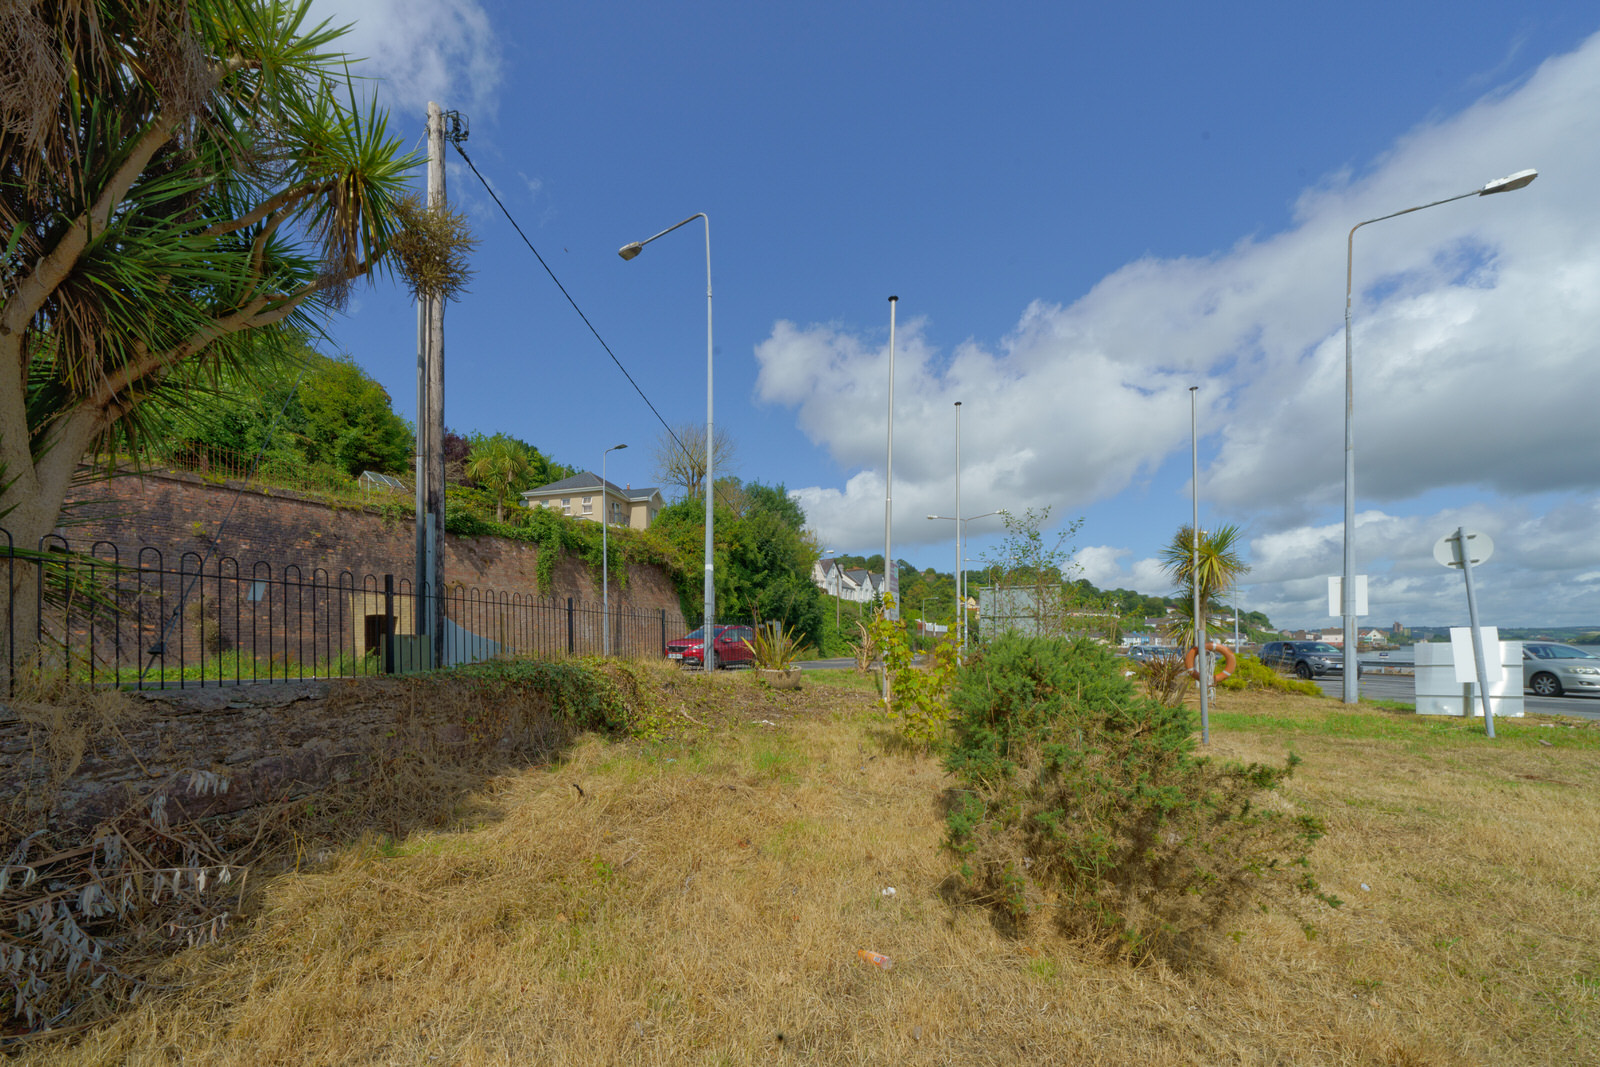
<point x="388" y="624"/>
<point x="663" y="630"/>
<point x="10" y="615"/>
<point x="572" y="639"/>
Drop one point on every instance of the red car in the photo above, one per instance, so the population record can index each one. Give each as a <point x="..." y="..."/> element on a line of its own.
<point x="731" y="649"/>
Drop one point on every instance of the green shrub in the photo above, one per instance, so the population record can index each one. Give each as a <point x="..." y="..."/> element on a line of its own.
<point x="918" y="696"/>
<point x="1010" y="695"/>
<point x="1082" y="795"/>
<point x="585" y="693"/>
<point x="1253" y="674"/>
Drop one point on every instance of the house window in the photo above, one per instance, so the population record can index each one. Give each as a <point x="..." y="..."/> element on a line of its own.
<point x="566" y="505"/>
<point x="588" y="505"/>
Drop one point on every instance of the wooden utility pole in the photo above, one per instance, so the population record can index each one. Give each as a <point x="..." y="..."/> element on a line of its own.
<point x="430" y="425"/>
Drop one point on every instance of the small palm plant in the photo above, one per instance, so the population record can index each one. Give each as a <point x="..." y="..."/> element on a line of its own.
<point x="776" y="647"/>
<point x="865" y="650"/>
<point x="1221" y="565"/>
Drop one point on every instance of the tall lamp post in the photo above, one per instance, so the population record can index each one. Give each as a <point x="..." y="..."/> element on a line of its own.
<point x="834" y="570"/>
<point x="1348" y="592"/>
<point x="605" y="571"/>
<point x="891" y="573"/>
<point x="961" y="570"/>
<point x="628" y="251"/>
<point x="1202" y="664"/>
<point x="961" y="639"/>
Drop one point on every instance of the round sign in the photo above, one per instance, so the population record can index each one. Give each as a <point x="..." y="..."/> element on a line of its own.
<point x="1447" y="550"/>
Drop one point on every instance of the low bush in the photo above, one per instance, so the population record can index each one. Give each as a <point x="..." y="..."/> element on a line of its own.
<point x="918" y="695"/>
<point x="1080" y="795"/>
<point x="1165" y="679"/>
<point x="580" y="694"/>
<point x="1253" y="674"/>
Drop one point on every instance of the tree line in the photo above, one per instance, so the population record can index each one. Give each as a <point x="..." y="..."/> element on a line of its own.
<point x="326" y="419"/>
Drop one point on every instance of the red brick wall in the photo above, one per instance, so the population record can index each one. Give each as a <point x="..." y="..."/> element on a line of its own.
<point x="178" y="514"/>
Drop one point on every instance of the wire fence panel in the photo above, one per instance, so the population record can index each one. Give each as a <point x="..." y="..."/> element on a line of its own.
<point x="143" y="620"/>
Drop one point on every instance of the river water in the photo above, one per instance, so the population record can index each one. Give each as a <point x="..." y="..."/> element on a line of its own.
<point x="1404" y="657"/>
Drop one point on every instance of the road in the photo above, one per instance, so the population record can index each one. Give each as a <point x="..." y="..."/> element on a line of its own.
<point x="1373" y="687"/>
<point x="1399" y="687"/>
<point x="826" y="664"/>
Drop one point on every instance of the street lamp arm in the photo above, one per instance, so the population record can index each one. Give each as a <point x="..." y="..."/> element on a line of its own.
<point x="969" y="518"/>
<point x="633" y="248"/>
<point x="1350" y="245"/>
<point x="1500" y="185"/>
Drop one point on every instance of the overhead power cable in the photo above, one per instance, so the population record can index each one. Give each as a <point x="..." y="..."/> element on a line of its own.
<point x="504" y="211"/>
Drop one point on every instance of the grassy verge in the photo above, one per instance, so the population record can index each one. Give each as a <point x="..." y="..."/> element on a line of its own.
<point x="702" y="898"/>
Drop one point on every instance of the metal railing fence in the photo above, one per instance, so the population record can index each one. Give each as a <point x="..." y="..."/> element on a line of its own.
<point x="148" y="620"/>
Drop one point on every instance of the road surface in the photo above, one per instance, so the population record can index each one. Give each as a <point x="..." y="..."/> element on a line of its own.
<point x="1400" y="687"/>
<point x="826" y="664"/>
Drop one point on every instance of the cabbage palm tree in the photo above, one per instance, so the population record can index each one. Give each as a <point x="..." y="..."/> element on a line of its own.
<point x="502" y="466"/>
<point x="182" y="182"/>
<point x="1221" y="566"/>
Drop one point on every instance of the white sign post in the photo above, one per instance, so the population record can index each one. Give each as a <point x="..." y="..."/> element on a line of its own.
<point x="1463" y="549"/>
<point x="1336" y="594"/>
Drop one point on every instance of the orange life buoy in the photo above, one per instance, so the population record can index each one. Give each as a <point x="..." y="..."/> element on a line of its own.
<point x="1230" y="659"/>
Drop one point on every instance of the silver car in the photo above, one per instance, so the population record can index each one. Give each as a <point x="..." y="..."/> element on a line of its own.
<point x="1551" y="670"/>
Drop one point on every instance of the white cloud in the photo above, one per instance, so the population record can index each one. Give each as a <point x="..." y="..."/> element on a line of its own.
<point x="1040" y="422"/>
<point x="1552" y="551"/>
<point x="1477" y="361"/>
<point x="1549" y="551"/>
<point x="1103" y="566"/>
<point x="441" y="50"/>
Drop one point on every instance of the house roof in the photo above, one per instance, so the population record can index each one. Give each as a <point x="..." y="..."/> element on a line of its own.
<point x="581" y="480"/>
<point x="590" y="480"/>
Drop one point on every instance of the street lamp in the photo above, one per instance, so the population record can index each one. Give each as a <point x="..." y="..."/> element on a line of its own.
<point x="961" y="623"/>
<point x="1202" y="663"/>
<point x="628" y="251"/>
<point x="605" y="571"/>
<point x="1348" y="594"/>
<point x="961" y="570"/>
<point x="835" y="571"/>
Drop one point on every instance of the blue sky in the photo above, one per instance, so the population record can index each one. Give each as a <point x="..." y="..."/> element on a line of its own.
<point x="1083" y="213"/>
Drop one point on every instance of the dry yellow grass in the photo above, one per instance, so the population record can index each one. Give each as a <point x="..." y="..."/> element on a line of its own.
<point x="704" y="902"/>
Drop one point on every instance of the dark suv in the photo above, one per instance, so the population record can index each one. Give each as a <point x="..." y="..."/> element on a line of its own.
<point x="1307" y="659"/>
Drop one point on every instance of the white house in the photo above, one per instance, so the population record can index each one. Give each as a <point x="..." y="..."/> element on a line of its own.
<point x="858" y="586"/>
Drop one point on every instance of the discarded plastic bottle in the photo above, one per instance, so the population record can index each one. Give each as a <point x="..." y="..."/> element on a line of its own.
<point x="877" y="959"/>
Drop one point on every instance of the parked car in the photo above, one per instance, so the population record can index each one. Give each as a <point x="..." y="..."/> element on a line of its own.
<point x="1552" y="669"/>
<point x="1306" y="659"/>
<point x="731" y="649"/>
